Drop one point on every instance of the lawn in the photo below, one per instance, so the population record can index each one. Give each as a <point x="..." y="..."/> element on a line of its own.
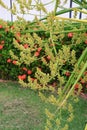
<point x="22" y="109"/>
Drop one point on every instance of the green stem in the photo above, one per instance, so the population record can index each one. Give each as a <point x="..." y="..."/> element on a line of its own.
<point x="81" y="72"/>
<point x="70" y="92"/>
<point x="36" y="31"/>
<point x="32" y="31"/>
<point x="81" y="3"/>
<point x="51" y="36"/>
<point x="63" y="12"/>
<point x="59" y="13"/>
<point x="77" y="30"/>
<point x="56" y="5"/>
<point x="71" y="79"/>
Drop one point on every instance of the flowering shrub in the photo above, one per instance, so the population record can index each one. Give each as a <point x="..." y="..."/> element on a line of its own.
<point x="14" y="42"/>
<point x="49" y="55"/>
<point x="7" y="68"/>
<point x="38" y="53"/>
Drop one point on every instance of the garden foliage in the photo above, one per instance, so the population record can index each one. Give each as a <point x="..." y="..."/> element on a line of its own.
<point x="48" y="55"/>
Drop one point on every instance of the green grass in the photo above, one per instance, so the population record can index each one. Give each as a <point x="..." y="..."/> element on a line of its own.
<point x="22" y="109"/>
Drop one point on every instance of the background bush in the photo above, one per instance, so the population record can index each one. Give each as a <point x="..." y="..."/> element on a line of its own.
<point x="11" y="32"/>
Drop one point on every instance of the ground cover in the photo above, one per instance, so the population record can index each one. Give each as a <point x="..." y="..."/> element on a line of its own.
<point x="22" y="109"/>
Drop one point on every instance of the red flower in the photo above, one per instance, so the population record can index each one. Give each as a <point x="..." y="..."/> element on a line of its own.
<point x="36" y="54"/>
<point x="12" y="27"/>
<point x="25" y="46"/>
<point x="76" y="86"/>
<point x="1" y="47"/>
<point x="17" y="40"/>
<point x="70" y="35"/>
<point x="86" y="86"/>
<point x="2" y="42"/>
<point x="9" y="60"/>
<point x="67" y="73"/>
<point x="48" y="57"/>
<point x="24" y="68"/>
<point x="1" y="26"/>
<point x="22" y="77"/>
<point x="39" y="49"/>
<point x="19" y="76"/>
<point x="85" y="73"/>
<point x="18" y="34"/>
<point x="85" y="41"/>
<point x="14" y="62"/>
<point x="32" y="79"/>
<point x="82" y="81"/>
<point x="29" y="72"/>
